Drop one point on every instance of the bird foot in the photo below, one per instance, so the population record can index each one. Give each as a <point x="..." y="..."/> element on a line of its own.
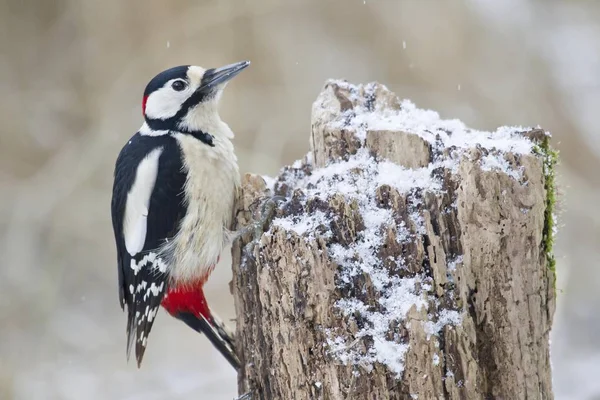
<point x="245" y="396"/>
<point x="259" y="225"/>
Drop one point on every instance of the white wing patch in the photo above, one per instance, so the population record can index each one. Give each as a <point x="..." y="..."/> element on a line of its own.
<point x="138" y="201"/>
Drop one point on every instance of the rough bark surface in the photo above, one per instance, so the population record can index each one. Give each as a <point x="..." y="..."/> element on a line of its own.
<point x="477" y="240"/>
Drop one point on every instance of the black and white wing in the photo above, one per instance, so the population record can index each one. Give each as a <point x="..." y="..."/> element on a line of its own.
<point x="147" y="205"/>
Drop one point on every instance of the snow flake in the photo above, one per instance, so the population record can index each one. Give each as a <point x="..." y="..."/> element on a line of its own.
<point x="445" y="317"/>
<point x="497" y="162"/>
<point x="357" y="178"/>
<point x="269" y="182"/>
<point x="302" y="225"/>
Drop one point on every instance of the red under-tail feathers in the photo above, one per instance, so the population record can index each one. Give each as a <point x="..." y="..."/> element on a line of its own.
<point x="187" y="298"/>
<point x="187" y="303"/>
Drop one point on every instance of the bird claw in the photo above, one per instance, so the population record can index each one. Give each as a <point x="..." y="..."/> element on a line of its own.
<point x="245" y="396"/>
<point x="259" y="226"/>
<point x="268" y="211"/>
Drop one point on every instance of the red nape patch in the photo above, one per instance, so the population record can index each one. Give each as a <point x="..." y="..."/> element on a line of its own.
<point x="188" y="298"/>
<point x="144" y="100"/>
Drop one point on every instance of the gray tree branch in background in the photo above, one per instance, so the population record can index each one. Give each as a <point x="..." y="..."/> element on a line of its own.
<point x="412" y="259"/>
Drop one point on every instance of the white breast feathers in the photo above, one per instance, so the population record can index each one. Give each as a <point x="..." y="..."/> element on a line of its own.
<point x="210" y="191"/>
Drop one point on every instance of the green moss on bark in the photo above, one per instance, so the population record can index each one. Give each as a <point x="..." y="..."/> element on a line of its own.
<point x="550" y="159"/>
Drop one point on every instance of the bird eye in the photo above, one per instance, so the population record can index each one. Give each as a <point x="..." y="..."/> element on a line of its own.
<point x="178" y="85"/>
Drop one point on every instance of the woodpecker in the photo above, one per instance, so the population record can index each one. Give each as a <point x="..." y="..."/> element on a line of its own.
<point x="175" y="184"/>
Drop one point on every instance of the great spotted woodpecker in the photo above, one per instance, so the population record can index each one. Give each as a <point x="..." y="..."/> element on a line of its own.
<point x="175" y="185"/>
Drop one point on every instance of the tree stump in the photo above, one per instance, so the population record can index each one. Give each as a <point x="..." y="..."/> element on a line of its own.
<point x="412" y="259"/>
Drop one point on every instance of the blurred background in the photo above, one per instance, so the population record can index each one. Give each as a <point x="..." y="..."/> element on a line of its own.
<point x="72" y="73"/>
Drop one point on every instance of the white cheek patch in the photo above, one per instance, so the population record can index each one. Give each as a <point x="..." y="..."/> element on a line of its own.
<point x="166" y="102"/>
<point x="138" y="201"/>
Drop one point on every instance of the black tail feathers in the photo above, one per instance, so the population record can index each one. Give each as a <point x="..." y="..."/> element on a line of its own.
<point x="216" y="332"/>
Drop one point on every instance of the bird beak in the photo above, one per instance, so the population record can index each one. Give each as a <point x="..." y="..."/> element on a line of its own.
<point x="217" y="76"/>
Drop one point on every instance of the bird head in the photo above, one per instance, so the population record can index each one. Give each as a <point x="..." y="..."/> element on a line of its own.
<point x="185" y="98"/>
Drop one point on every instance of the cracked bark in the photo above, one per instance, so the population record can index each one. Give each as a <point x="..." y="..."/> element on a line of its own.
<point x="285" y="286"/>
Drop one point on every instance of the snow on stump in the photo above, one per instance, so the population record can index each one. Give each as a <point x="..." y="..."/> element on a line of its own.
<point x="412" y="259"/>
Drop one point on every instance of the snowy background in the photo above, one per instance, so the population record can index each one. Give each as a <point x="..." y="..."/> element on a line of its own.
<point x="71" y="77"/>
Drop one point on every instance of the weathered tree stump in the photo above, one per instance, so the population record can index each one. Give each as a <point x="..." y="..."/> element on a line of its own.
<point x="412" y="259"/>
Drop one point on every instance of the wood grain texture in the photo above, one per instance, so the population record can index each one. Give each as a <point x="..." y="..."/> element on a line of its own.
<point x="479" y="244"/>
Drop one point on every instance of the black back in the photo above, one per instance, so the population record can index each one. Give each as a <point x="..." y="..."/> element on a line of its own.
<point x="167" y="207"/>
